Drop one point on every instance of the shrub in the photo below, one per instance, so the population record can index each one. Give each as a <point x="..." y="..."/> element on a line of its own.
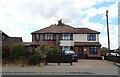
<point x="52" y="49"/>
<point x="34" y="59"/>
<point x="17" y="51"/>
<point x="5" y="52"/>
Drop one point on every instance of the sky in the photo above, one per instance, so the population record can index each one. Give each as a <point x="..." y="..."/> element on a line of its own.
<point x="18" y="18"/>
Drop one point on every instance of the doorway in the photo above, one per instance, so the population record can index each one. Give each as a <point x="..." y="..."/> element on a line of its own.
<point x="80" y="52"/>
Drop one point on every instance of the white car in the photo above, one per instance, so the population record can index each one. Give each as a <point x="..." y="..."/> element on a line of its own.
<point x="112" y="54"/>
<point x="71" y="52"/>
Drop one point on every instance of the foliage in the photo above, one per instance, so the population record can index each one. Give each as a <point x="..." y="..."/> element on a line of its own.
<point x="17" y="51"/>
<point x="42" y="50"/>
<point x="45" y="49"/>
<point x="5" y="52"/>
<point x="34" y="59"/>
<point x="104" y="50"/>
<point x="52" y="49"/>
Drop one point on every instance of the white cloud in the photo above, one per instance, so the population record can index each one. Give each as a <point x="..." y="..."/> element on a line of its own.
<point x="16" y="16"/>
<point x="91" y="12"/>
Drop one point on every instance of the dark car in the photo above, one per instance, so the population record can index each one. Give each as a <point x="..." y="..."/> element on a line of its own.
<point x="71" y="52"/>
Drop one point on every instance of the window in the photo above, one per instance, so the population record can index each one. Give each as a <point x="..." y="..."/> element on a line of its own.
<point x="49" y="37"/>
<point x="33" y="37"/>
<point x="93" y="50"/>
<point x="37" y="37"/>
<point x="91" y="37"/>
<point x="63" y="48"/>
<point x="66" y="37"/>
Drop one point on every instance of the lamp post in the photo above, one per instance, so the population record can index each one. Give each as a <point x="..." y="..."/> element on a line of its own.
<point x="108" y="31"/>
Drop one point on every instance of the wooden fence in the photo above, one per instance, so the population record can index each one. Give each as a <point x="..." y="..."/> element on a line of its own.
<point x="113" y="58"/>
<point x="59" y="58"/>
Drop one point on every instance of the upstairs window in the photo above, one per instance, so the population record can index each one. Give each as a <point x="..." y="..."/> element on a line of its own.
<point x="66" y="37"/>
<point x="37" y="37"/>
<point x="49" y="36"/>
<point x="93" y="50"/>
<point x="91" y="37"/>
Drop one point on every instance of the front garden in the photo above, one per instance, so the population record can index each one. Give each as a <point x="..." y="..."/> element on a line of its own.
<point x="17" y="55"/>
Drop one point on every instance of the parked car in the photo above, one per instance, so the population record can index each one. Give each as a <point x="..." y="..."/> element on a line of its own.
<point x="71" y="52"/>
<point x="112" y="54"/>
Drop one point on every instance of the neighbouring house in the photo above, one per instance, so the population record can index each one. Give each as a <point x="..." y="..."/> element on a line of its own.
<point x="7" y="41"/>
<point x="30" y="46"/>
<point x="83" y="41"/>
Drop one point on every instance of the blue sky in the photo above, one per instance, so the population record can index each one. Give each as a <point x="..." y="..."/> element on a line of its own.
<point x="18" y="18"/>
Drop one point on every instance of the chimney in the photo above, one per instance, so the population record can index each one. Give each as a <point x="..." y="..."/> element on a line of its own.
<point x="60" y="22"/>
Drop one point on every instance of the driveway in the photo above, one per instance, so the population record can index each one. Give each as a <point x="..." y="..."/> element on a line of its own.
<point x="82" y="67"/>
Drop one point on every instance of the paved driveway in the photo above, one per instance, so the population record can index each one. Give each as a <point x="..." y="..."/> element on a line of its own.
<point x="82" y="67"/>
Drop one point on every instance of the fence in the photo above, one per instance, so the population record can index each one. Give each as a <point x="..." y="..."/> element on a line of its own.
<point x="113" y="58"/>
<point x="59" y="58"/>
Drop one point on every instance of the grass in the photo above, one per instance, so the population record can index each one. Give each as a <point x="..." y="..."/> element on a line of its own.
<point x="19" y="63"/>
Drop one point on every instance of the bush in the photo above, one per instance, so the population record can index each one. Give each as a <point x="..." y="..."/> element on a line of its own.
<point x="5" y="52"/>
<point x="104" y="50"/>
<point x="34" y="59"/>
<point x="52" y="50"/>
<point x="41" y="53"/>
<point x="17" y="51"/>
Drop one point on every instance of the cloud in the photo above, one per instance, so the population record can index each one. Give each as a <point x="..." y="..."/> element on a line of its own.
<point x="21" y="17"/>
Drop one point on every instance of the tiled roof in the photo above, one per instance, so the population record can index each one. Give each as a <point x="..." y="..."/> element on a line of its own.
<point x="87" y="44"/>
<point x="65" y="29"/>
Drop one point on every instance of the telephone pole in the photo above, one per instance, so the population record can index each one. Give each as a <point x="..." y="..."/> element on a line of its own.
<point x="108" y="31"/>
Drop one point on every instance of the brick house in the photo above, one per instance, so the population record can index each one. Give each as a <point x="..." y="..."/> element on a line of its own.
<point x="83" y="41"/>
<point x="6" y="42"/>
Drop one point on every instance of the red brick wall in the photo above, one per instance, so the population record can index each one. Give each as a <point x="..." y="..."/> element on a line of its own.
<point x="76" y="50"/>
<point x="49" y="42"/>
<point x="94" y="55"/>
<point x="87" y="51"/>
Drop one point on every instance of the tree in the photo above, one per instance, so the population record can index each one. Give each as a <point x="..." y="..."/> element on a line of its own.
<point x="42" y="50"/>
<point x="104" y="50"/>
<point x="17" y="51"/>
<point x="52" y="50"/>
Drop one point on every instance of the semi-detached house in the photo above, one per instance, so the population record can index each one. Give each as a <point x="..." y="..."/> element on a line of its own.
<point x="83" y="41"/>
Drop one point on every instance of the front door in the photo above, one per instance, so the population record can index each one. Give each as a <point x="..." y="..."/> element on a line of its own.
<point x="80" y="52"/>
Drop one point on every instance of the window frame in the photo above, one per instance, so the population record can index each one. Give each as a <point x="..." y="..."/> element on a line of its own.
<point x="91" y="37"/>
<point x="93" y="49"/>
<point x="49" y="37"/>
<point x="66" y="36"/>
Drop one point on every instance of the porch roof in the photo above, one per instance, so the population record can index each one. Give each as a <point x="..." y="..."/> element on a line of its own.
<point x="31" y="44"/>
<point x="87" y="44"/>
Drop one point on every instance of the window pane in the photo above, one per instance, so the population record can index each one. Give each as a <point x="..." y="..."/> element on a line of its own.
<point x="49" y="36"/>
<point x="93" y="50"/>
<point x="66" y="37"/>
<point x="91" y="37"/>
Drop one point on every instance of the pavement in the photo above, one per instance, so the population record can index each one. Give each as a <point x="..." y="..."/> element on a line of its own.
<point x="82" y="67"/>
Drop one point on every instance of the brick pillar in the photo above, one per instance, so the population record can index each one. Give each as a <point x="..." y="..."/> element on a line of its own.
<point x="76" y="50"/>
<point x="58" y="42"/>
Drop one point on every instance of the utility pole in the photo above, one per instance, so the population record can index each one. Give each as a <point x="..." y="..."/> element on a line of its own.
<point x="108" y="31"/>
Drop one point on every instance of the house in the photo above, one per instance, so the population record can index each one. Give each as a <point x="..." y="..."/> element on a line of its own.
<point x="30" y="46"/>
<point x="7" y="41"/>
<point x="83" y="41"/>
